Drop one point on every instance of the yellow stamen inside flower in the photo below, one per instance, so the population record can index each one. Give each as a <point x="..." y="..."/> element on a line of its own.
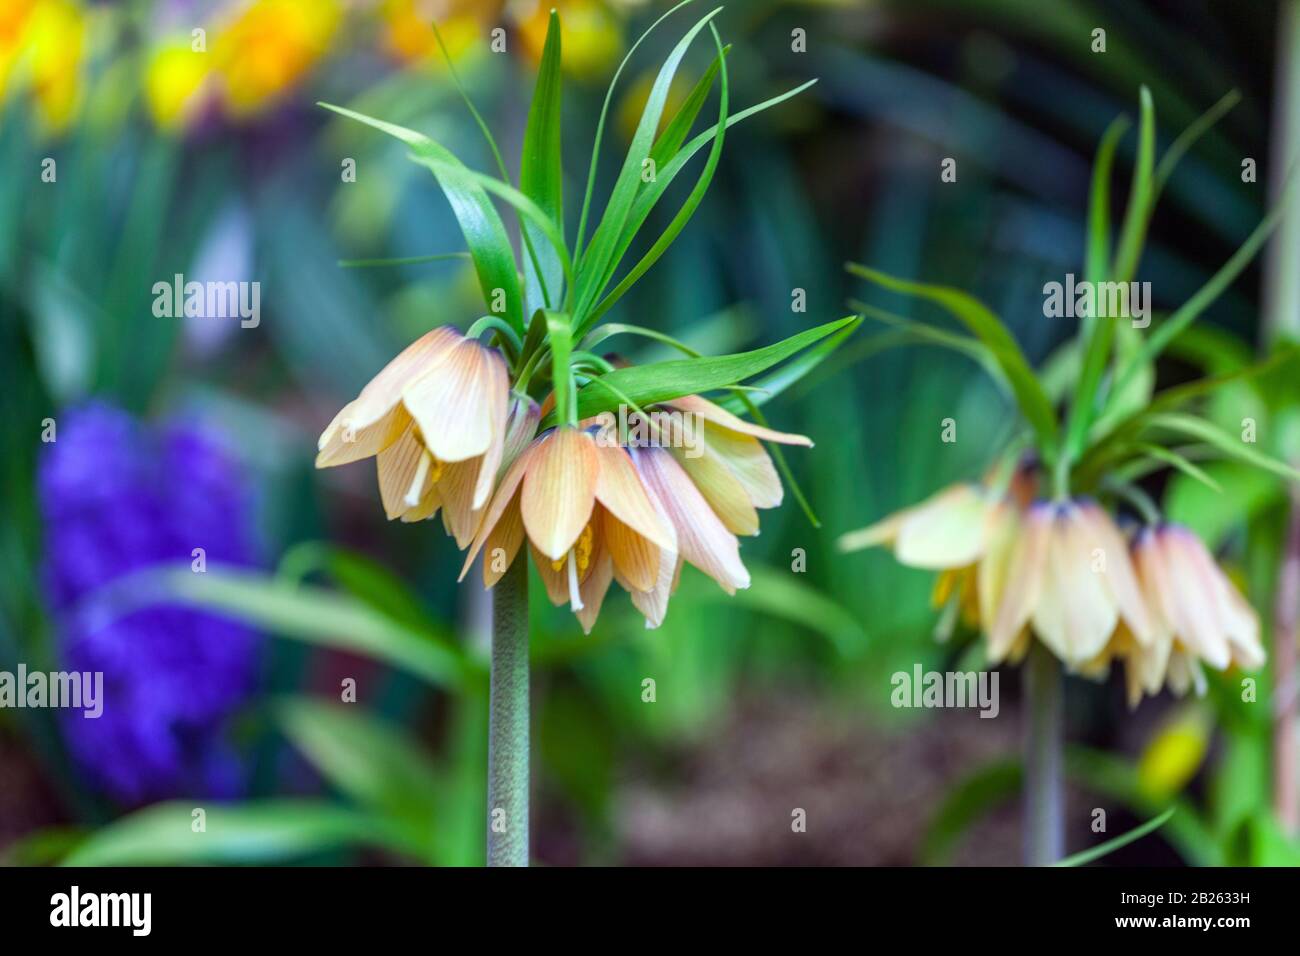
<point x="580" y="552"/>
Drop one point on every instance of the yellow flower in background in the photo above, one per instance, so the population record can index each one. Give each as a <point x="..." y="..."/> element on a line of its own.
<point x="42" y="49"/>
<point x="408" y="33"/>
<point x="175" y="76"/>
<point x="438" y="420"/>
<point x="268" y="47"/>
<point x="591" y="34"/>
<point x="15" y="15"/>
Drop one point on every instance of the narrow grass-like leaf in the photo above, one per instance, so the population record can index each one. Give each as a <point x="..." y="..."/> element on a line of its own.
<point x="792" y="372"/>
<point x="651" y="192"/>
<point x="664" y="381"/>
<point x="679" y="127"/>
<point x="988" y="328"/>
<point x="600" y="127"/>
<point x="541" y="170"/>
<point x="1110" y="846"/>
<point x="1132" y="235"/>
<point x="1202" y="430"/>
<point x="683" y="214"/>
<point x="1098" y="253"/>
<point x="1174" y="459"/>
<point x="320" y="617"/>
<point x="595" y="260"/>
<point x="267" y="831"/>
<point x="1204" y="297"/>
<point x="528" y="210"/>
<point x="403" y="261"/>
<point x="484" y="232"/>
<point x="1099" y="331"/>
<point x="1187" y="139"/>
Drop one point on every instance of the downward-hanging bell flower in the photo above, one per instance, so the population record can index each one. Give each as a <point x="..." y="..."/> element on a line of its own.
<point x="727" y="461"/>
<point x="965" y="531"/>
<point x="438" y="419"/>
<point x="1068" y="578"/>
<point x="597" y="508"/>
<point x="1197" y="616"/>
<point x="586" y="515"/>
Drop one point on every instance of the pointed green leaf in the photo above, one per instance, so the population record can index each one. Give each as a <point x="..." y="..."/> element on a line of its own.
<point x="684" y="214"/>
<point x="484" y="232"/>
<point x="664" y="381"/>
<point x="597" y="258"/>
<point x="988" y="328"/>
<point x="541" y="171"/>
<point x="320" y="617"/>
<point x="1211" y="434"/>
<point x="1110" y="846"/>
<point x="1137" y="216"/>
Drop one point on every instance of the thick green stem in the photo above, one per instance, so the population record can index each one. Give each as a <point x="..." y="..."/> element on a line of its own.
<point x="1044" y="820"/>
<point x="507" y="833"/>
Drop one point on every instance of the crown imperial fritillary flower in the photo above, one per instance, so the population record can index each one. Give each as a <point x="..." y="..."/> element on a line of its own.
<point x="731" y="467"/>
<point x="436" y="419"/>
<point x="1069" y="578"/>
<point x="587" y="516"/>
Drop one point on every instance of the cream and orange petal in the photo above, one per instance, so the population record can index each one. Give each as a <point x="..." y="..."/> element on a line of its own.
<point x="749" y="461"/>
<point x="1117" y="571"/>
<point x="722" y="489"/>
<point x="950" y="530"/>
<point x="635" y="557"/>
<point x="460" y="404"/>
<point x="506" y="497"/>
<point x="559" y="490"/>
<point x="382" y="394"/>
<point x="1075" y="613"/>
<point x="503" y="541"/>
<point x="702" y="539"/>
<point x="399" y="466"/>
<point x="593" y="589"/>
<point x="343" y="442"/>
<point x="1024" y="582"/>
<point x="718" y="415"/>
<point x="619" y="489"/>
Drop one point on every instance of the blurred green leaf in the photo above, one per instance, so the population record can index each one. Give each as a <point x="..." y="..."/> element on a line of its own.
<point x="783" y="595"/>
<point x="269" y="831"/>
<point x="990" y="330"/>
<point x="359" y="575"/>
<point x="541" y="170"/>
<point x="1137" y="215"/>
<point x="664" y="381"/>
<point x="966" y="802"/>
<point x="1110" y="846"/>
<point x="368" y="760"/>
<point x="321" y="617"/>
<point x="484" y="232"/>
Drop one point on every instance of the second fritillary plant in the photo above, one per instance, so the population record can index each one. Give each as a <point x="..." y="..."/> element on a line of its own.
<point x="1060" y="553"/>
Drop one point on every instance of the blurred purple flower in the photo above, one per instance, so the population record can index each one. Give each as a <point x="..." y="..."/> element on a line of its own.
<point x="118" y="496"/>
